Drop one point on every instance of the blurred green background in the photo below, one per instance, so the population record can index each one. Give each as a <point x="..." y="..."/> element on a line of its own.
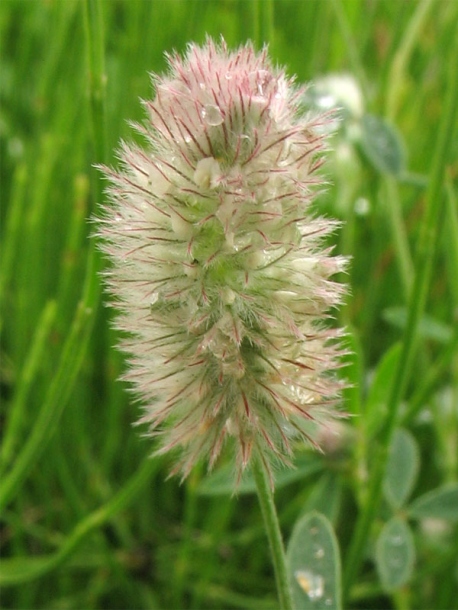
<point x="88" y="521"/>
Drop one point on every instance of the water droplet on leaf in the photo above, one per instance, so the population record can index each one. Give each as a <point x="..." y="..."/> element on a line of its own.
<point x="310" y="583"/>
<point x="396" y="562"/>
<point x="319" y="553"/>
<point x="212" y="115"/>
<point x="362" y="206"/>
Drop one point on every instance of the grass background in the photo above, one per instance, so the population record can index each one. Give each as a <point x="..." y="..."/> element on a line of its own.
<point x="87" y="520"/>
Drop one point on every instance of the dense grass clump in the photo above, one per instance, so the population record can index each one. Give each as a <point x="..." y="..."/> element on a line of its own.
<point x="88" y="521"/>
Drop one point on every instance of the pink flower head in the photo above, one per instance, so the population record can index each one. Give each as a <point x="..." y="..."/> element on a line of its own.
<point x="218" y="269"/>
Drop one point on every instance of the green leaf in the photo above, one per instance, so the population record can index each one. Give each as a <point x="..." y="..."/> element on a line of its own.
<point x="395" y="554"/>
<point x="441" y="503"/>
<point x="382" y="145"/>
<point x="326" y="496"/>
<point x="375" y="411"/>
<point x="402" y="468"/>
<point x="222" y="483"/>
<point x="428" y="327"/>
<point x="313" y="564"/>
<point x="353" y="371"/>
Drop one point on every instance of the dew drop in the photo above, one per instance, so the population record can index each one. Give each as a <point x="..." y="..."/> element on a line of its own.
<point x="319" y="553"/>
<point x="211" y="115"/>
<point x="362" y="206"/>
<point x="156" y="302"/>
<point x="228" y="76"/>
<point x="312" y="584"/>
<point x="258" y="100"/>
<point x="227" y="295"/>
<point x="263" y="78"/>
<point x="396" y="562"/>
<point x="15" y="147"/>
<point x="396" y="540"/>
<point x="328" y="601"/>
<point x="326" y="101"/>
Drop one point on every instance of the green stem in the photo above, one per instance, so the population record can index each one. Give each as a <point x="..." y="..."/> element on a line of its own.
<point x="403" y="55"/>
<point x="398" y="231"/>
<point x="351" y="47"/>
<point x="36" y="356"/>
<point x="263" y="23"/>
<point x="184" y="560"/>
<point x="19" y="570"/>
<point x="57" y="396"/>
<point x="269" y="513"/>
<point x="77" y="341"/>
<point x="93" y="23"/>
<point x="12" y="233"/>
<point x="424" y="261"/>
<point x="452" y="238"/>
<point x="433" y="378"/>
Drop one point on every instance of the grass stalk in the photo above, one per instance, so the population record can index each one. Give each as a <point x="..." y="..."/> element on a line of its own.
<point x="35" y="357"/>
<point x="452" y="237"/>
<point x="403" y="54"/>
<point x="350" y="43"/>
<point x="184" y="559"/>
<point x="26" y="569"/>
<point x="80" y="330"/>
<point x="56" y="398"/>
<point x="264" y="23"/>
<point x="13" y="225"/>
<point x="400" y="241"/>
<point x="93" y="23"/>
<point x="424" y="263"/>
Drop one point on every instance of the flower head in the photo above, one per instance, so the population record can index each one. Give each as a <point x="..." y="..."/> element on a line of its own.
<point x="218" y="269"/>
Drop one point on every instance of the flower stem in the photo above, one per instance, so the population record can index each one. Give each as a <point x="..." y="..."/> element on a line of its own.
<point x="269" y="513"/>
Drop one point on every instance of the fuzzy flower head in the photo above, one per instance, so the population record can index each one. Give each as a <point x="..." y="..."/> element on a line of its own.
<point x="219" y="272"/>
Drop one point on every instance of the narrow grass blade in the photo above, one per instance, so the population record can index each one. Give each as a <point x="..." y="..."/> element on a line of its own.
<point x="24" y="569"/>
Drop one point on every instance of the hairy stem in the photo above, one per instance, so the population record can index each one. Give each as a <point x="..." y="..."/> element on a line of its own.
<point x="269" y="513"/>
